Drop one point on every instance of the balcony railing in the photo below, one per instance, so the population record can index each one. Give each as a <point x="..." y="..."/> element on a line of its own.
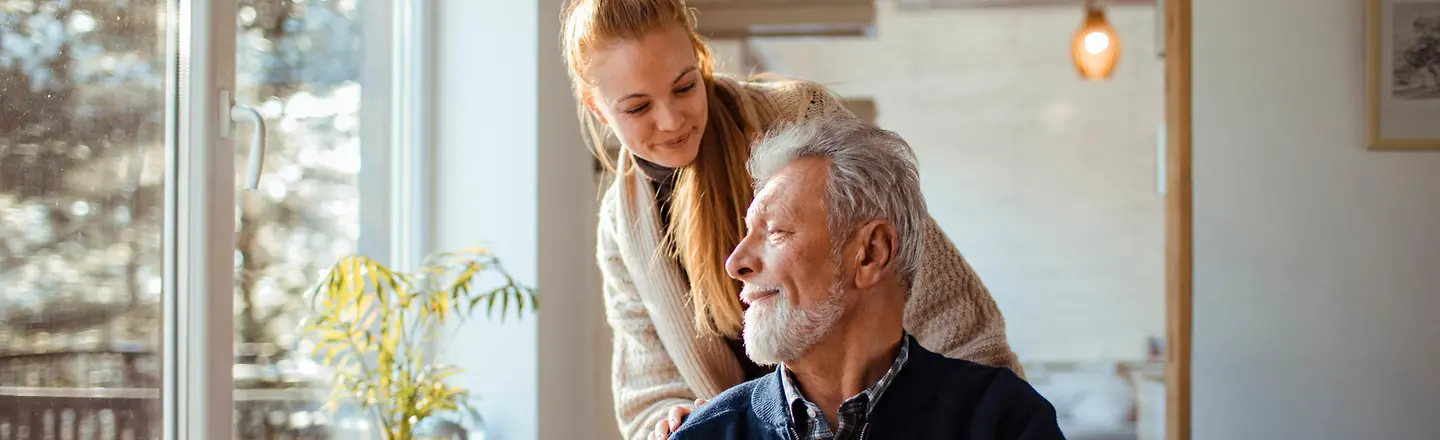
<point x="114" y="394"/>
<point x="28" y="413"/>
<point x="134" y="414"/>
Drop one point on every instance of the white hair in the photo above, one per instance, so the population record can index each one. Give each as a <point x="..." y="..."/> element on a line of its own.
<point x="872" y="176"/>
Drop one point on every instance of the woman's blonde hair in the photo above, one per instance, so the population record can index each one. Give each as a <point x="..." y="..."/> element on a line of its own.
<point x="712" y="192"/>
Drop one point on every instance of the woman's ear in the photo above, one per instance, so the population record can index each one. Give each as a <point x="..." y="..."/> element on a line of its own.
<point x="876" y="252"/>
<point x="589" y="99"/>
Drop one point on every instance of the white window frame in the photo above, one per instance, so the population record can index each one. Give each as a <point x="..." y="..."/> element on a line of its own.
<point x="197" y="344"/>
<point x="395" y="186"/>
<point x="412" y="138"/>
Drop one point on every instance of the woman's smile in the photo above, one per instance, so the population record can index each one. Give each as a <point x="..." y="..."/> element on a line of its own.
<point x="676" y="142"/>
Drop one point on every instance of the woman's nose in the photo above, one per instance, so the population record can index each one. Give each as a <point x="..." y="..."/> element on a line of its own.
<point x="669" y="118"/>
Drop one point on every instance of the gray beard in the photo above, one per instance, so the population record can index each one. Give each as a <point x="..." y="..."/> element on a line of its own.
<point x="776" y="332"/>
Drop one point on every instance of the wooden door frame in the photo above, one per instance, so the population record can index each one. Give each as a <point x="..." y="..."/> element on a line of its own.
<point x="1178" y="263"/>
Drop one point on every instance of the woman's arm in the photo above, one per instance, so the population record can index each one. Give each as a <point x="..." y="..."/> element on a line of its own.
<point x="645" y="382"/>
<point x="950" y="312"/>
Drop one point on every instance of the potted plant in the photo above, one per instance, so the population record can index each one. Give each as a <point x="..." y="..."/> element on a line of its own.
<point x="375" y="329"/>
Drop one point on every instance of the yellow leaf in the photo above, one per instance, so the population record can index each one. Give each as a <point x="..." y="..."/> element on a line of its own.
<point x="389" y="278"/>
<point x="332" y="335"/>
<point x="367" y="319"/>
<point x="377" y="273"/>
<point x="390" y="340"/>
<point x="330" y="356"/>
<point x="356" y="282"/>
<point x="313" y="326"/>
<point x="444" y="372"/>
<point x="316" y="352"/>
<point x="441" y="307"/>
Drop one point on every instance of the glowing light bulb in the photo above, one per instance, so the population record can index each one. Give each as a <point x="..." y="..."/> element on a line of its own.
<point x="1096" y="42"/>
<point x="1095" y="48"/>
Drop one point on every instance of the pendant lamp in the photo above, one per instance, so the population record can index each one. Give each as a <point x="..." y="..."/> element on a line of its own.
<point x="1095" y="49"/>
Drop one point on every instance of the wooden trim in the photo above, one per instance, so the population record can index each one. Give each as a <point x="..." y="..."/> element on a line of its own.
<point x="811" y="18"/>
<point x="863" y="108"/>
<point x="1178" y="263"/>
<point x="919" y="5"/>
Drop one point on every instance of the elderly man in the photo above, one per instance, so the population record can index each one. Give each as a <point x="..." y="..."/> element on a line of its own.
<point x="832" y="250"/>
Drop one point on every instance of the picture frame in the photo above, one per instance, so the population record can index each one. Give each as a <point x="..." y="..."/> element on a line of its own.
<point x="1402" y="74"/>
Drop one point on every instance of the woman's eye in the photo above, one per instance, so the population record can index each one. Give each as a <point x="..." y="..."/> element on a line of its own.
<point x="637" y="109"/>
<point x="687" y="88"/>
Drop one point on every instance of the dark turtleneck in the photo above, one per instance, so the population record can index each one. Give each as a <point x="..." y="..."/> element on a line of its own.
<point x="662" y="179"/>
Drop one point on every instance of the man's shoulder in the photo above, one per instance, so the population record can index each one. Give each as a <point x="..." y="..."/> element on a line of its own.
<point x="734" y="402"/>
<point x="725" y="416"/>
<point x="964" y="370"/>
<point x="942" y="397"/>
<point x="980" y="381"/>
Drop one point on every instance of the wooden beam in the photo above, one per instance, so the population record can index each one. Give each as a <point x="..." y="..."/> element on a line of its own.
<point x="863" y="108"/>
<point x="1179" y="281"/>
<point x="763" y="18"/>
<point x="987" y="4"/>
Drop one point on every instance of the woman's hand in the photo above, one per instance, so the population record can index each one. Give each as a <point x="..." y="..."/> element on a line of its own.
<point x="664" y="427"/>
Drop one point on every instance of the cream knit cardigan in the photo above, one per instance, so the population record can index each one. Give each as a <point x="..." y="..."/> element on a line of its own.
<point x="661" y="361"/>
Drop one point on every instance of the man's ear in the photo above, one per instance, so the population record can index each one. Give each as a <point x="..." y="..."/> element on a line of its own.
<point x="875" y="252"/>
<point x="589" y="99"/>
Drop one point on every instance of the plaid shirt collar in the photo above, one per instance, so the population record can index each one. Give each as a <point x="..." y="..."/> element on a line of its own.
<point x="806" y="420"/>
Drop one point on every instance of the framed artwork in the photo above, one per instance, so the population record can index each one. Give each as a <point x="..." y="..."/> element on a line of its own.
<point x="1402" y="58"/>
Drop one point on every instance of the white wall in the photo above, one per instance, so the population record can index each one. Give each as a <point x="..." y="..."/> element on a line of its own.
<point x="575" y="397"/>
<point x="511" y="174"/>
<point x="1045" y="182"/>
<point x="1316" y="283"/>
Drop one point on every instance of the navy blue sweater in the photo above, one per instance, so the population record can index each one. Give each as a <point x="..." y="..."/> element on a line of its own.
<point x="933" y="397"/>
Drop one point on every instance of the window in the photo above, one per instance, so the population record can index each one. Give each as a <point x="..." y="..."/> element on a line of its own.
<point x="82" y="178"/>
<point x="297" y="63"/>
<point x="110" y="220"/>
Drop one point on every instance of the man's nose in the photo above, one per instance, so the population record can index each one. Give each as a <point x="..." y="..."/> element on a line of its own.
<point x="742" y="263"/>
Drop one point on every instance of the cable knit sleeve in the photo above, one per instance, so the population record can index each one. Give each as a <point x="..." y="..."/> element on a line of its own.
<point x="810" y="100"/>
<point x="778" y="103"/>
<point x="644" y="380"/>
<point x="950" y="312"/>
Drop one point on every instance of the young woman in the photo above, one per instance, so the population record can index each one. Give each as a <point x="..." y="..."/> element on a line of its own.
<point x="676" y="210"/>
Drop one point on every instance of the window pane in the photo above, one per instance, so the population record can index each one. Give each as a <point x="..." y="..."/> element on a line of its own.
<point x="297" y="63"/>
<point x="82" y="170"/>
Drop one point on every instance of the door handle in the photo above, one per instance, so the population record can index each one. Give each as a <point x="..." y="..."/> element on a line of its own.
<point x="230" y="113"/>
